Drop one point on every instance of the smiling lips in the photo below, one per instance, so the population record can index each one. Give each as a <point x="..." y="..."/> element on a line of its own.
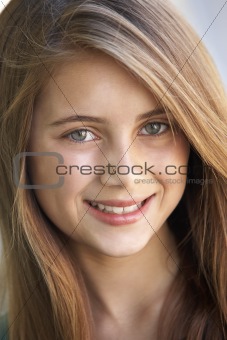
<point x="119" y="212"/>
<point x="117" y="209"/>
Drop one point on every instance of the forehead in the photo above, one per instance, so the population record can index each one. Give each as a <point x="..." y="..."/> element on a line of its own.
<point x="94" y="79"/>
<point x="90" y="67"/>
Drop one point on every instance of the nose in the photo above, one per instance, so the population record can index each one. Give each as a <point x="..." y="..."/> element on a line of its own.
<point x="123" y="168"/>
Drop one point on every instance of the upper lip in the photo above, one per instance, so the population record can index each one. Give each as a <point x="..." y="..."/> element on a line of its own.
<point x="120" y="203"/>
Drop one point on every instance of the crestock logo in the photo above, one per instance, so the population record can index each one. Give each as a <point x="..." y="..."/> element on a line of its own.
<point x="16" y="170"/>
<point x="62" y="170"/>
<point x="119" y="169"/>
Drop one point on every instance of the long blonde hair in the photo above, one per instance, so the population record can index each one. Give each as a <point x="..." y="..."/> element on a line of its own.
<point x="47" y="298"/>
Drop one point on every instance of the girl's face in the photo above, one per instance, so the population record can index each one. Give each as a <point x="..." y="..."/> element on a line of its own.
<point x="149" y="162"/>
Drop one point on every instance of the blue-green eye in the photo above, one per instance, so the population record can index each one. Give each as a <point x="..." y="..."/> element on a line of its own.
<point x="80" y="136"/>
<point x="155" y="128"/>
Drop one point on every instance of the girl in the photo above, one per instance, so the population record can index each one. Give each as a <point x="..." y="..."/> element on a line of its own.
<point x="113" y="174"/>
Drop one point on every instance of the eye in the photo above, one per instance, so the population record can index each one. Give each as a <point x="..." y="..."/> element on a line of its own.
<point x="155" y="128"/>
<point x="80" y="136"/>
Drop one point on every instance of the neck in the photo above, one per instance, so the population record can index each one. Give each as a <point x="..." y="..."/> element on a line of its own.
<point x="126" y="287"/>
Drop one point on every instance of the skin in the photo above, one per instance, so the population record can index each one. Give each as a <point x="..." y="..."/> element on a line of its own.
<point x="127" y="269"/>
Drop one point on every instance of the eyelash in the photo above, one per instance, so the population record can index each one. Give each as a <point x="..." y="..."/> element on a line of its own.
<point x="66" y="136"/>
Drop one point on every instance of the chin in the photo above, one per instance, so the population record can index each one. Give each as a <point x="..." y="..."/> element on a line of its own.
<point x="121" y="249"/>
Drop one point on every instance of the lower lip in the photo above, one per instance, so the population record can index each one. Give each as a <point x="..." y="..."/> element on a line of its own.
<point x="123" y="219"/>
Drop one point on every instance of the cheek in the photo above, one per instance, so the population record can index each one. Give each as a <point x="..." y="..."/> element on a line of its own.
<point x="42" y="169"/>
<point x="71" y="164"/>
<point x="173" y="160"/>
<point x="171" y="173"/>
<point x="174" y="179"/>
<point x="62" y="204"/>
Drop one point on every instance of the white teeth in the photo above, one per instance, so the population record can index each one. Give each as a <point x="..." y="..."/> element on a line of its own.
<point x="116" y="210"/>
<point x="107" y="208"/>
<point x="101" y="206"/>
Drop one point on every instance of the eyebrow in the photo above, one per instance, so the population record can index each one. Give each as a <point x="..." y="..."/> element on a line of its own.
<point x="85" y="118"/>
